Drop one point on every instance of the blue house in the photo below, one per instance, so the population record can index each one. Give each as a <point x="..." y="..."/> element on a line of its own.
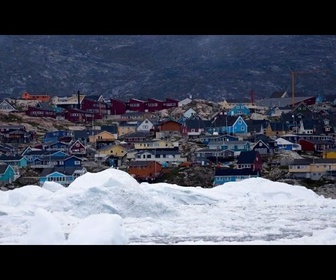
<point x="56" y="146"/>
<point x="213" y="156"/>
<point x="61" y="175"/>
<point x="7" y="174"/>
<point x="224" y="175"/>
<point x="239" y="110"/>
<point x="19" y="161"/>
<point x="235" y="146"/>
<point x="67" y="161"/>
<point x="33" y="155"/>
<point x="283" y="144"/>
<point x="206" y="139"/>
<point x="224" y="124"/>
<point x="51" y="160"/>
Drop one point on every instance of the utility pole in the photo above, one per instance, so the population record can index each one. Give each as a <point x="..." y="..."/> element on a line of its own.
<point x="293" y="73"/>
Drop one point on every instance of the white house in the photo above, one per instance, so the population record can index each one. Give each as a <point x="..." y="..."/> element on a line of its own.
<point x="145" y="126"/>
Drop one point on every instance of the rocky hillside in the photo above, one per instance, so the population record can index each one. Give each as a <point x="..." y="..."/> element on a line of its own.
<point x="40" y="125"/>
<point x="211" y="67"/>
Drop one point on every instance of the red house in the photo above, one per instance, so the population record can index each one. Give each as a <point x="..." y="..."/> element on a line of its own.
<point x="136" y="105"/>
<point x="98" y="108"/>
<point x="117" y="107"/>
<point x="170" y="125"/>
<point x="144" y="170"/>
<point x="170" y="103"/>
<point x="77" y="148"/>
<point x="39" y="97"/>
<point x="39" y="112"/>
<point x="315" y="145"/>
<point x="78" y="116"/>
<point x="153" y="105"/>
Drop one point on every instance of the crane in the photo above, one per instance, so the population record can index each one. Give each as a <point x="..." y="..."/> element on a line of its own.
<point x="293" y="73"/>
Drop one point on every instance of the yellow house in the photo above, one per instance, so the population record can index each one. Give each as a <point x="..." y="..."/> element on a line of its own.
<point x="312" y="168"/>
<point x="115" y="150"/>
<point x="102" y="136"/>
<point x="154" y="144"/>
<point x="329" y="153"/>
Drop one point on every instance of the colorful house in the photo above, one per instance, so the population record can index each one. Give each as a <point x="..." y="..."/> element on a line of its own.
<point x="6" y="107"/>
<point x="239" y="110"/>
<point x="224" y="124"/>
<point x="224" y="175"/>
<point x="236" y="146"/>
<point x="283" y="144"/>
<point x="144" y="170"/>
<point x="249" y="159"/>
<point x="145" y="125"/>
<point x="77" y="148"/>
<point x="117" y="107"/>
<point x="40" y="112"/>
<point x="153" y="105"/>
<point x="40" y="97"/>
<point x="115" y="150"/>
<point x="329" y="153"/>
<point x="7" y="174"/>
<point x="61" y="175"/>
<point x="170" y="126"/>
<point x="154" y="144"/>
<point x="19" y="161"/>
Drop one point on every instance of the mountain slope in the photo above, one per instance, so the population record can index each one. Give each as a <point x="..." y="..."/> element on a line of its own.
<point x="210" y="67"/>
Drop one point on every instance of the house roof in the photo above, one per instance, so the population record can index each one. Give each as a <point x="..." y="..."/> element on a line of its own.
<point x="3" y="168"/>
<point x="235" y="172"/>
<point x="224" y="120"/>
<point x="66" y="170"/>
<point x="247" y="157"/>
<point x="280" y="102"/>
<point x="141" y="163"/>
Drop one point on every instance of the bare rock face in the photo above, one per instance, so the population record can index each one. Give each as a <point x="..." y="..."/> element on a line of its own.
<point x="328" y="191"/>
<point x="191" y="176"/>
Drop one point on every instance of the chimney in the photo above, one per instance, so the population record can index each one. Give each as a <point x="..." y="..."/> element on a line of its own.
<point x="78" y="97"/>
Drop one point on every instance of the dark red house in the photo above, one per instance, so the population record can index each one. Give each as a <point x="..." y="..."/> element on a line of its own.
<point x="39" y="112"/>
<point x="315" y="145"/>
<point x="78" y="116"/>
<point x="117" y="107"/>
<point x="77" y="148"/>
<point x="98" y="108"/>
<point x="136" y="105"/>
<point x="153" y="105"/>
<point x="170" y="103"/>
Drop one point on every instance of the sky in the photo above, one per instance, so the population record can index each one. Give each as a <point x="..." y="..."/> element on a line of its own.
<point x="111" y="208"/>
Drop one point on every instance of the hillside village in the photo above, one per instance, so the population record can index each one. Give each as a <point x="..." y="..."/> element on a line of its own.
<point x="187" y="142"/>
